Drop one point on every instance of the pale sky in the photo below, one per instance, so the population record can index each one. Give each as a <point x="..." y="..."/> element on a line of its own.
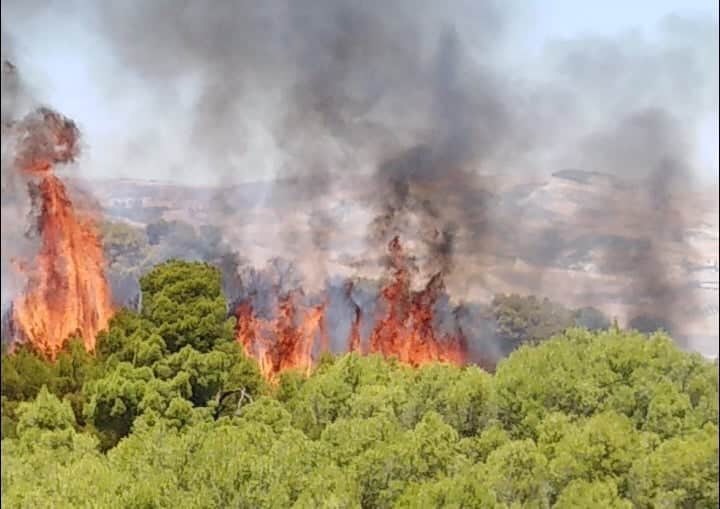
<point x="62" y="59"/>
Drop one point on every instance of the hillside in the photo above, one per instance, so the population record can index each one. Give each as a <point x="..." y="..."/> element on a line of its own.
<point x="570" y="222"/>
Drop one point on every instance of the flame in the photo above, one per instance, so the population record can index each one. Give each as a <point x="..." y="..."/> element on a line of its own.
<point x="67" y="291"/>
<point x="285" y="342"/>
<point x="406" y="331"/>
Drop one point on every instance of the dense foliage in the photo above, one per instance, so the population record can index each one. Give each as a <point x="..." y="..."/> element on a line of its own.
<point x="170" y="413"/>
<point x="522" y="319"/>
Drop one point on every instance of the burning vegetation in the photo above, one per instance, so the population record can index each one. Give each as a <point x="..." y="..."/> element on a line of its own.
<point x="397" y="101"/>
<point x="405" y="325"/>
<point x="285" y="342"/>
<point x="404" y="148"/>
<point x="66" y="291"/>
<point x="408" y="330"/>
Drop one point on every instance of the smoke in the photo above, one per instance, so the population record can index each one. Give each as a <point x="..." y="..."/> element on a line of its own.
<point x="403" y="110"/>
<point x="654" y="93"/>
<point x="16" y="213"/>
<point x="17" y="207"/>
<point x="650" y="144"/>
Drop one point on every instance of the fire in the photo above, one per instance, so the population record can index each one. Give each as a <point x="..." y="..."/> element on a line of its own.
<point x="67" y="291"/>
<point x="285" y="342"/>
<point x="407" y="331"/>
<point x="296" y="335"/>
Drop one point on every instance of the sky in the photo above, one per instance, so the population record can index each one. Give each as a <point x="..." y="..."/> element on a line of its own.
<point x="63" y="59"/>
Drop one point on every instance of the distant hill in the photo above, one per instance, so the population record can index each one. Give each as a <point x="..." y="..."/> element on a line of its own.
<point x="557" y="252"/>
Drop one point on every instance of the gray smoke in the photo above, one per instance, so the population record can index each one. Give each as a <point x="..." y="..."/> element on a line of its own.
<point x="409" y="105"/>
<point x="17" y="207"/>
<point x="649" y="145"/>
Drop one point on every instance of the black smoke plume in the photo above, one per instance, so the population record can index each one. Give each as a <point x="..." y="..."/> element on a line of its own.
<point x="405" y="109"/>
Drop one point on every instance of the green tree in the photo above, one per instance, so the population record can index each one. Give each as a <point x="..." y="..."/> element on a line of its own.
<point x="466" y="490"/>
<point x="125" y="245"/>
<point x="267" y="411"/>
<point x="329" y="488"/>
<point x="592" y="319"/>
<point x="125" y="331"/>
<point x="24" y="373"/>
<point x="184" y="304"/>
<point x="602" y="448"/>
<point x="580" y="494"/>
<point x="680" y="472"/>
<point x="174" y="358"/>
<point x="430" y="450"/>
<point x="114" y="401"/>
<point x="522" y="319"/>
<point x="46" y="413"/>
<point x="49" y="448"/>
<point x="581" y="373"/>
<point x="174" y="415"/>
<point x="204" y="374"/>
<point x="518" y="473"/>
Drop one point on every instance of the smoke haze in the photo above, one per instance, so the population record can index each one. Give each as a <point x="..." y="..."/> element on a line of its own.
<point x="17" y="209"/>
<point x="416" y="104"/>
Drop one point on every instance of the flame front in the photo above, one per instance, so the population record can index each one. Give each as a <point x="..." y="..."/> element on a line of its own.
<point x="285" y="342"/>
<point x="407" y="331"/>
<point x="67" y="291"/>
<point x="296" y="335"/>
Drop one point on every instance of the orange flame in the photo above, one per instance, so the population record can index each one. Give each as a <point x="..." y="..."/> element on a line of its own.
<point x="285" y="342"/>
<point x="67" y="292"/>
<point x="405" y="332"/>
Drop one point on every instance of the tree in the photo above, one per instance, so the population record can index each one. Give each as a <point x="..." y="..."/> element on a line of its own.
<point x="46" y="413"/>
<point x="602" y="448"/>
<point x="158" y="230"/>
<point x="205" y="373"/>
<point x="125" y="246"/>
<point x="329" y="488"/>
<point x="48" y="447"/>
<point x="518" y="473"/>
<point x="184" y="304"/>
<point x="528" y="319"/>
<point x="169" y="412"/>
<point x="125" y="331"/>
<point x="114" y="401"/>
<point x="650" y="323"/>
<point x="581" y="373"/>
<point x="177" y="361"/>
<point x="465" y="490"/>
<point x="267" y="411"/>
<point x="581" y="494"/>
<point x="26" y="371"/>
<point x="681" y="472"/>
<point x="385" y="471"/>
<point x="591" y="319"/>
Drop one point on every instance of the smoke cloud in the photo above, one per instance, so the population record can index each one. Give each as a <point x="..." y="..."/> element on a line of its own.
<point x="17" y="207"/>
<point x="404" y="111"/>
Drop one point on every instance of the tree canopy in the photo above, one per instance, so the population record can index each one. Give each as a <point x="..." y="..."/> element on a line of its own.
<point x="169" y="412"/>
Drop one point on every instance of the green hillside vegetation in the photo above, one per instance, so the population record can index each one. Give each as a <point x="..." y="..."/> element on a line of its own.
<point x="169" y="412"/>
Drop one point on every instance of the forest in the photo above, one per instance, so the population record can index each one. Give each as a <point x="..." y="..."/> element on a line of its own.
<point x="169" y="412"/>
